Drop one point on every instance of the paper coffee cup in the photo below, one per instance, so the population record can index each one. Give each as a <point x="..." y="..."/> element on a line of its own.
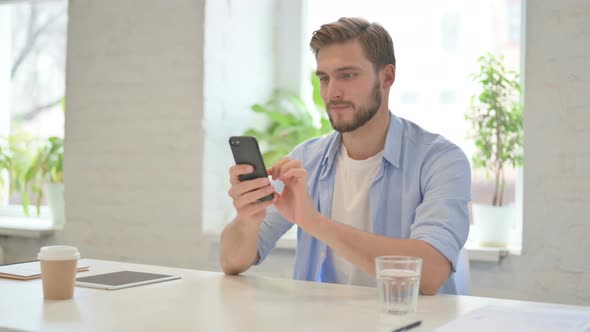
<point x="58" y="271"/>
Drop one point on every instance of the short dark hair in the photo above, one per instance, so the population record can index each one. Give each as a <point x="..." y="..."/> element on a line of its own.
<point x="375" y="40"/>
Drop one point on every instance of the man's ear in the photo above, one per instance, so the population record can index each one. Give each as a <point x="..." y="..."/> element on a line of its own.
<point x="388" y="75"/>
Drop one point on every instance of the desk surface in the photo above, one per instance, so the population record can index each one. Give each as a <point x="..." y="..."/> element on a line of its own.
<point x="210" y="301"/>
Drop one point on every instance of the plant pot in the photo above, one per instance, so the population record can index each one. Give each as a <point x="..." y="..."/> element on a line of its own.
<point x="494" y="224"/>
<point x="55" y="198"/>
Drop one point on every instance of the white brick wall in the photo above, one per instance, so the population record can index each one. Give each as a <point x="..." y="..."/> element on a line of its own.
<point x="133" y="130"/>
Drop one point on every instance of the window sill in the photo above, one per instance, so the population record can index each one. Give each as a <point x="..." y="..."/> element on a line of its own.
<point x="26" y="227"/>
<point x="478" y="253"/>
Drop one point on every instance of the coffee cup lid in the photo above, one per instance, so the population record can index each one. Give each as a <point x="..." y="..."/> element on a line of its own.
<point x="58" y="253"/>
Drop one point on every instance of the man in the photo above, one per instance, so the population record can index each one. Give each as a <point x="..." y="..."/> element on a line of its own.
<point x="378" y="185"/>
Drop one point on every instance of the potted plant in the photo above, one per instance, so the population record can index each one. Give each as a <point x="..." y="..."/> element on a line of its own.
<point x="33" y="164"/>
<point x="19" y="151"/>
<point x="289" y="122"/>
<point x="495" y="114"/>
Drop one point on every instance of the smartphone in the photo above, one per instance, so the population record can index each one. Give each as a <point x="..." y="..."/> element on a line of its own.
<point x="246" y="151"/>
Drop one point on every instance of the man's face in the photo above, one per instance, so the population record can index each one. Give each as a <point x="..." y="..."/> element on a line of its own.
<point x="350" y="86"/>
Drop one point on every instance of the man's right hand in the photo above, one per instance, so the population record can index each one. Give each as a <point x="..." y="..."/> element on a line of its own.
<point x="245" y="194"/>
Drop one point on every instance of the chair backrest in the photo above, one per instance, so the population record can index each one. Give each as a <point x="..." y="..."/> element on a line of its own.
<point x="462" y="276"/>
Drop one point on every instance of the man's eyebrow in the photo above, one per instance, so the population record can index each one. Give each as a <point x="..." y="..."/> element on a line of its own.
<point x="345" y="68"/>
<point x="340" y="69"/>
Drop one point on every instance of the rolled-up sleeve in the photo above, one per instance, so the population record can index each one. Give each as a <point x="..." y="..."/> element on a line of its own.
<point x="442" y="219"/>
<point x="271" y="230"/>
<point x="274" y="225"/>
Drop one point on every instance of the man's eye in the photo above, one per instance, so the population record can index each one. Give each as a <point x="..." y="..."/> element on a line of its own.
<point x="323" y="79"/>
<point x="348" y="75"/>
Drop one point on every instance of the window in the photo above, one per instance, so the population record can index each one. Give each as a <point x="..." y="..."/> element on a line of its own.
<point x="449" y="29"/>
<point x="437" y="45"/>
<point x="32" y="75"/>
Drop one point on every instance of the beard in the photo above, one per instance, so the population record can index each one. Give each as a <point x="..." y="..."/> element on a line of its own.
<point x="362" y="113"/>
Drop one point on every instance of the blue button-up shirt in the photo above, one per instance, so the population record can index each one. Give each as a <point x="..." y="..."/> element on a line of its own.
<point x="421" y="191"/>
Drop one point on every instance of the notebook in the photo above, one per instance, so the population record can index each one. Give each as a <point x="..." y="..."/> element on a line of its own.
<point x="30" y="270"/>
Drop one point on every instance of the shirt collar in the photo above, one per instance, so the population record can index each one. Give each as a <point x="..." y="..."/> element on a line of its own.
<point x="393" y="141"/>
<point x="392" y="150"/>
<point x="331" y="151"/>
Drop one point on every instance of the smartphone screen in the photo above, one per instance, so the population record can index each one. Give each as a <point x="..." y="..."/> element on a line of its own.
<point x="246" y="151"/>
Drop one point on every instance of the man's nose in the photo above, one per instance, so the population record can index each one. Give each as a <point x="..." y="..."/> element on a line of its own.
<point x="334" y="92"/>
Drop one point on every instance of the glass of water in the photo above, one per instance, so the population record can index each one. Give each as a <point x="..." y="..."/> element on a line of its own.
<point x="398" y="282"/>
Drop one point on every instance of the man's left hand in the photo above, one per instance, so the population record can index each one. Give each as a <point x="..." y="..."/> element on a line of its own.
<point x="294" y="203"/>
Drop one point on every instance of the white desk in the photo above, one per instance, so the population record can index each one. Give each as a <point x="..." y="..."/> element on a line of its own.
<point x="210" y="301"/>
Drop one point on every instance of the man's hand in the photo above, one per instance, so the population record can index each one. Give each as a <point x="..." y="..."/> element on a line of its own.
<point x="294" y="202"/>
<point x="245" y="194"/>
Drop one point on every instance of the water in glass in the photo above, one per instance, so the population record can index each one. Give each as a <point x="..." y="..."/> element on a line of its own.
<point x="398" y="290"/>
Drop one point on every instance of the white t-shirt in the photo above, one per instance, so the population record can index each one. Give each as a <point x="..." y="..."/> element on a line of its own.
<point x="350" y="206"/>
